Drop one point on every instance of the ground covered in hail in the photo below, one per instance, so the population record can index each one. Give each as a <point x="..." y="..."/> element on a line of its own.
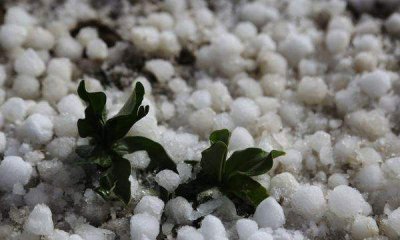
<point x="316" y="79"/>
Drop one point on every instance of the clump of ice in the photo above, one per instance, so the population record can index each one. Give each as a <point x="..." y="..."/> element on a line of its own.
<point x="40" y="221"/>
<point x="269" y="214"/>
<point x="144" y="226"/>
<point x="14" y="170"/>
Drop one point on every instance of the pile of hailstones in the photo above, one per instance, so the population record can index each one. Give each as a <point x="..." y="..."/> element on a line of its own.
<point x="346" y="161"/>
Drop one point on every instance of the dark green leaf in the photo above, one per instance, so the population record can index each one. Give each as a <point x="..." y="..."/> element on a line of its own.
<point x="122" y="170"/>
<point x="246" y="188"/>
<point x="191" y="189"/>
<point x="84" y="151"/>
<point x="222" y="135"/>
<point x="95" y="100"/>
<point x="118" y="126"/>
<point x="159" y="157"/>
<point x="104" y="160"/>
<point x="250" y="162"/>
<point x="213" y="160"/>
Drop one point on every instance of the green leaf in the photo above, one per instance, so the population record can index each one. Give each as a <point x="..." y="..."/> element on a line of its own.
<point x="250" y="162"/>
<point x="222" y="135"/>
<point x="245" y="188"/>
<point x="213" y="160"/>
<point x="122" y="170"/>
<point x="84" y="151"/>
<point x="118" y="126"/>
<point x="159" y="159"/>
<point x="92" y="124"/>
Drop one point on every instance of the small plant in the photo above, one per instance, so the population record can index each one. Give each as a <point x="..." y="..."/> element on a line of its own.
<point x="231" y="176"/>
<point x="108" y="143"/>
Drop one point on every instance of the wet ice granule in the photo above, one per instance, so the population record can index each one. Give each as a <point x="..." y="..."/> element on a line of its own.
<point x="292" y="114"/>
<point x="72" y="105"/>
<point x="3" y="142"/>
<point x="269" y="122"/>
<point x="370" y="178"/>
<point x="14" y="170"/>
<point x="189" y="233"/>
<point x="283" y="185"/>
<point x="244" y="111"/>
<point x="61" y="147"/>
<point x="139" y="159"/>
<point x="296" y="47"/>
<point x="258" y="13"/>
<point x="68" y="47"/>
<point x="375" y="84"/>
<point x="364" y="227"/>
<point x="144" y="224"/>
<point x="292" y="161"/>
<point x="371" y="124"/>
<point x="347" y="202"/>
<point x="309" y="202"/>
<point x="350" y="99"/>
<point x="65" y="126"/>
<point x="75" y="237"/>
<point x="58" y="235"/>
<point x="220" y="96"/>
<point x="168" y="179"/>
<point x="151" y="205"/>
<point x="272" y="63"/>
<point x="240" y="139"/>
<point x="162" y="70"/>
<point x="269" y="214"/>
<point x="97" y="49"/>
<point x="368" y="156"/>
<point x="86" y="35"/>
<point x="245" y="228"/>
<point x="367" y="42"/>
<point x="179" y="210"/>
<point x="337" y="41"/>
<point x="14" y="109"/>
<point x="12" y="36"/>
<point x="312" y="90"/>
<point x="223" y="120"/>
<point x="37" y="128"/>
<point x="40" y="221"/>
<point x="29" y="63"/>
<point x="212" y="228"/>
<point x="260" y="235"/>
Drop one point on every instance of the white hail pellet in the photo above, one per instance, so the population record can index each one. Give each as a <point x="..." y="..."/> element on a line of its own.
<point x="179" y="210"/>
<point x="144" y="225"/>
<point x="394" y="220"/>
<point x="240" y="139"/>
<point x="202" y="121"/>
<point x="283" y="185"/>
<point x="245" y="31"/>
<point x="19" y="16"/>
<point x="86" y="35"/>
<point x="3" y="75"/>
<point x="37" y="128"/>
<point x="269" y="214"/>
<point x="71" y="104"/>
<point x="14" y="109"/>
<point x="392" y="24"/>
<point x="272" y="63"/>
<point x="97" y="49"/>
<point x="258" y="13"/>
<point x="145" y="38"/>
<point x="168" y="179"/>
<point x="60" y="67"/>
<point x="296" y="47"/>
<point x="162" y="70"/>
<point x="250" y="88"/>
<point x="3" y="142"/>
<point x="14" y="170"/>
<point x="68" y="47"/>
<point x="26" y="86"/>
<point x="54" y="88"/>
<point x="244" y="111"/>
<point x="29" y="63"/>
<point x="347" y="202"/>
<point x="273" y="84"/>
<point x="151" y="205"/>
<point x="337" y="41"/>
<point x="40" y="221"/>
<point x="364" y="227"/>
<point x="12" y="36"/>
<point x="245" y="228"/>
<point x="309" y="202"/>
<point x="375" y="84"/>
<point x="212" y="228"/>
<point x="40" y="38"/>
<point x="189" y="233"/>
<point x="260" y="235"/>
<point x="312" y="90"/>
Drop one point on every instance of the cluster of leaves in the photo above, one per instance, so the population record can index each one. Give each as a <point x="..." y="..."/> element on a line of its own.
<point x="231" y="176"/>
<point x="108" y="143"/>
